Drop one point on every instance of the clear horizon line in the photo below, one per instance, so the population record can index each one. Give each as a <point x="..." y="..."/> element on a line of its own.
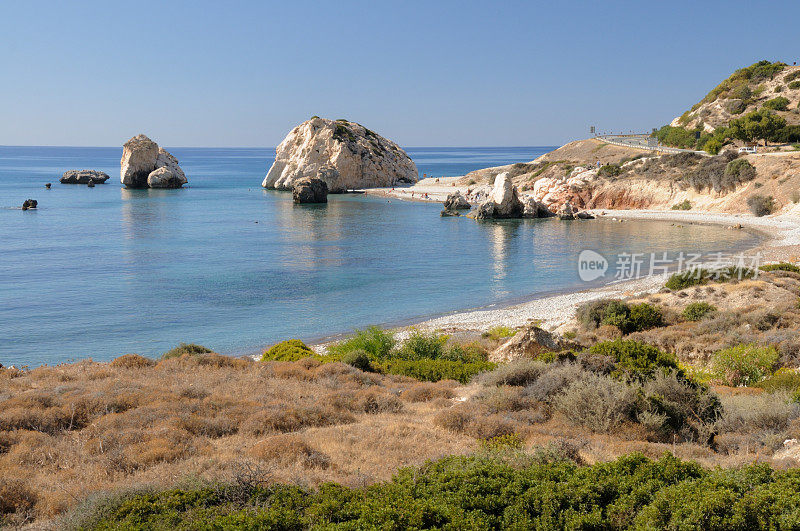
<point x="275" y="147"/>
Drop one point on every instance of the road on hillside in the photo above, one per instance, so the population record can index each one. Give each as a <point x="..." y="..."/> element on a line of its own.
<point x="642" y="142"/>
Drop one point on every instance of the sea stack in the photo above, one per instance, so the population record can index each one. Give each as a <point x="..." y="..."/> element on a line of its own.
<point x="146" y="165"/>
<point x="352" y="156"/>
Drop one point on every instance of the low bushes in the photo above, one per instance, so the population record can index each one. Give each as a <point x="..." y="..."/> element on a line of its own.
<point x="424" y="356"/>
<point x="499" y="332"/>
<point x="609" y="170"/>
<point x="596" y="402"/>
<point x="761" y="205"/>
<point x="635" y="361"/>
<point x="628" y="318"/>
<point x="289" y="350"/>
<point x="376" y="342"/>
<point x="697" y="311"/>
<point x="186" y="349"/>
<point x="132" y="361"/>
<point x="783" y="266"/>
<point x="683" y="205"/>
<point x="433" y="370"/>
<point x="744" y="364"/>
<point x="487" y="491"/>
<point x="700" y="276"/>
<point x="784" y="379"/>
<point x="776" y="104"/>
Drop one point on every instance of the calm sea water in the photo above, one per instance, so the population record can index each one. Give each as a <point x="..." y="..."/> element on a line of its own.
<point x="99" y="272"/>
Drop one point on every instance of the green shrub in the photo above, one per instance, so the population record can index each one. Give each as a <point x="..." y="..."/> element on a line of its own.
<point x="590" y="314"/>
<point x="499" y="332"/>
<point x="776" y="104"/>
<point x="358" y="359"/>
<point x="469" y="353"/>
<point x="784" y="379"/>
<point x="644" y="316"/>
<point x="490" y="490"/>
<point x="697" y="311"/>
<point x="791" y="76"/>
<point x="422" y="345"/>
<point x="675" y="137"/>
<point x="289" y="350"/>
<point x="740" y="171"/>
<point x="712" y="146"/>
<point x="744" y="364"/>
<point x="683" y="205"/>
<point x="631" y="318"/>
<point x="609" y="170"/>
<point x="636" y="361"/>
<point x="429" y="370"/>
<point x="699" y="277"/>
<point x="186" y="348"/>
<point x="783" y="266"/>
<point x="761" y="205"/>
<point x="794" y="85"/>
<point x="375" y="341"/>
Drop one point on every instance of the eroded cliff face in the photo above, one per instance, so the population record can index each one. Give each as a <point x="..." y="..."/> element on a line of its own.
<point x="631" y="178"/>
<point x="345" y="154"/>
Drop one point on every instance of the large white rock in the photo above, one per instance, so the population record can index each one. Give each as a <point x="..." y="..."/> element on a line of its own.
<point x="503" y="201"/>
<point x="354" y="157"/>
<point x="146" y="165"/>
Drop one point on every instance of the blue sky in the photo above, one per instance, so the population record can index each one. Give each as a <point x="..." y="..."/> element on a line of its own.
<point x="243" y="73"/>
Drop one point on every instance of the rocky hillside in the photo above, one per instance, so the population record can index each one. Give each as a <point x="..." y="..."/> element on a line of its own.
<point x="746" y="90"/>
<point x="758" y="103"/>
<point x="636" y="178"/>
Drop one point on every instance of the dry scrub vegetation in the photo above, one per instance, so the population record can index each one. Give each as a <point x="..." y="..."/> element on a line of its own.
<point x="70" y="430"/>
<point x="644" y="381"/>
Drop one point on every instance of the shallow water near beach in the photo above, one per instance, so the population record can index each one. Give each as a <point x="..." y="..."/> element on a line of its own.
<point x="99" y="272"/>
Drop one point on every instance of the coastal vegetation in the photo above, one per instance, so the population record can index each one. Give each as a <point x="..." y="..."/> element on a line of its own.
<point x="502" y="488"/>
<point x="704" y="371"/>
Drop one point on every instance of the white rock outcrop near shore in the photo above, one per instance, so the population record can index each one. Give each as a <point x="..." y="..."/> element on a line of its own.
<point x="146" y="165"/>
<point x="555" y="191"/>
<point x="353" y="156"/>
<point x="503" y="201"/>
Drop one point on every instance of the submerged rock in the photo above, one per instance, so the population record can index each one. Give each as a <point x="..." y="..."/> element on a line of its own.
<point x="312" y="190"/>
<point x="146" y="165"/>
<point x="354" y="157"/>
<point x="583" y="214"/>
<point x="48" y="185"/>
<point x="84" y="177"/>
<point x="29" y="203"/>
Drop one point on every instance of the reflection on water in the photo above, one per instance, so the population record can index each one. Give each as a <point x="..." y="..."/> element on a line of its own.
<point x="104" y="271"/>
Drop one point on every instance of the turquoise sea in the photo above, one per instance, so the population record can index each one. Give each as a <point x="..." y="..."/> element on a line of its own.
<point x="99" y="272"/>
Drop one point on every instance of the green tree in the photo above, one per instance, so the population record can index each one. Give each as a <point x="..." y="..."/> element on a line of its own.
<point x="756" y="125"/>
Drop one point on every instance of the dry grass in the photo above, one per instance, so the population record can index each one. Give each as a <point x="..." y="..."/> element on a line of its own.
<point x="70" y="430"/>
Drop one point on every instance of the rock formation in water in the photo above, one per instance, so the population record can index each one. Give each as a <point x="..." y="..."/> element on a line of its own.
<point x="353" y="156"/>
<point x="503" y="202"/>
<point x="456" y="201"/>
<point x="84" y="177"/>
<point x="146" y="165"/>
<point x="29" y="203"/>
<point x="311" y="190"/>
